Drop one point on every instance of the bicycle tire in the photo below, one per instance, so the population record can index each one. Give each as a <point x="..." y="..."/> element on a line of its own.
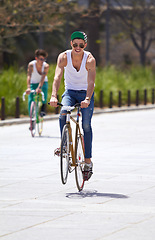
<point x="33" y="119"/>
<point x="80" y="161"/>
<point x="40" y="125"/>
<point x="64" y="154"/>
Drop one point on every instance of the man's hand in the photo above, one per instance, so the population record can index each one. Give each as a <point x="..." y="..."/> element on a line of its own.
<point x="53" y="101"/>
<point x="28" y="90"/>
<point x="38" y="90"/>
<point x="85" y="103"/>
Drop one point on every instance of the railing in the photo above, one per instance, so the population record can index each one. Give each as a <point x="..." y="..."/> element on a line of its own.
<point x="128" y="103"/>
<point x="101" y="101"/>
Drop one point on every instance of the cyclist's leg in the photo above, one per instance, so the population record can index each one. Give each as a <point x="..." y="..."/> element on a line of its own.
<point x="33" y="86"/>
<point x="86" y="125"/>
<point x="45" y="91"/>
<point x="87" y="129"/>
<point x="68" y="99"/>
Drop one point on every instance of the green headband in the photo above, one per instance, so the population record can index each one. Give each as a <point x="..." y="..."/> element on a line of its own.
<point x="79" y="35"/>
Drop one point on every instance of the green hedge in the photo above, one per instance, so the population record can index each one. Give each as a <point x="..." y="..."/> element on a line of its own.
<point x="13" y="84"/>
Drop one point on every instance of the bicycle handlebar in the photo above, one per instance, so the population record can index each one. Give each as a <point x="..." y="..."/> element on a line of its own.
<point x="59" y="104"/>
<point x="24" y="96"/>
<point x="34" y="91"/>
<point x="68" y="108"/>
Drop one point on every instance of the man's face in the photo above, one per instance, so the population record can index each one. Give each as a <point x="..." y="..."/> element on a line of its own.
<point x="40" y="59"/>
<point x="78" y="45"/>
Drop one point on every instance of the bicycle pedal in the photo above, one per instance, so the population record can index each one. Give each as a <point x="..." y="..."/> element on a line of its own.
<point x="57" y="152"/>
<point x="87" y="175"/>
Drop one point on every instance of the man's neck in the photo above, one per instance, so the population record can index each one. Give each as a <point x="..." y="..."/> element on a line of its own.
<point x="39" y="66"/>
<point x="77" y="57"/>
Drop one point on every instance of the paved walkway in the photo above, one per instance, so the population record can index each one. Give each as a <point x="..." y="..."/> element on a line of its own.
<point x="96" y="111"/>
<point x="117" y="203"/>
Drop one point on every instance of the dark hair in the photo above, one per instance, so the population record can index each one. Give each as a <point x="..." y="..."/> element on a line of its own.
<point x="41" y="52"/>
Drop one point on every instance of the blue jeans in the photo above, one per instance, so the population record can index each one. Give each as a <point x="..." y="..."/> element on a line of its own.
<point x="69" y="98"/>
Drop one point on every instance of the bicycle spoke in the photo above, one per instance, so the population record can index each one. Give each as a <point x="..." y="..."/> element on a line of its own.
<point x="40" y="125"/>
<point x="80" y="161"/>
<point x="33" y="119"/>
<point x="65" y="155"/>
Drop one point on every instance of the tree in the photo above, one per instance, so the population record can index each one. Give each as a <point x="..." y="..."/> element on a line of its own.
<point x="93" y="28"/>
<point x="139" y="19"/>
<point x="24" y="16"/>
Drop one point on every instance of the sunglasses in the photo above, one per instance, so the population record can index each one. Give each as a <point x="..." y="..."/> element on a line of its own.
<point x="81" y="45"/>
<point x="42" y="59"/>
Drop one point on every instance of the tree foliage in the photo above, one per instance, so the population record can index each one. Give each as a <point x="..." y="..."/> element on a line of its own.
<point x="139" y="19"/>
<point x="24" y="16"/>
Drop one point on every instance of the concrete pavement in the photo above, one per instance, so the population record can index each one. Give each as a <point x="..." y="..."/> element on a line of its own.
<point x="117" y="203"/>
<point x="96" y="111"/>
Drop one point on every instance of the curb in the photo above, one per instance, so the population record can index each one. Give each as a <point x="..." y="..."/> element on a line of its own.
<point x="96" y="111"/>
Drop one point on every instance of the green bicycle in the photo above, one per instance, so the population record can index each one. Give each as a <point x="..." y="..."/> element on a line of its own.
<point x="35" y="117"/>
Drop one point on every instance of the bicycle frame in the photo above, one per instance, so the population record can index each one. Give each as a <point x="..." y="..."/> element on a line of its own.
<point x="36" y="99"/>
<point x="77" y="131"/>
<point x="72" y="156"/>
<point x="36" y="118"/>
<point x="73" y="148"/>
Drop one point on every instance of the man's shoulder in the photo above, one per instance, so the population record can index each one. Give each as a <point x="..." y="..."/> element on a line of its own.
<point x="90" y="56"/>
<point x="63" y="55"/>
<point x="31" y="63"/>
<point x="62" y="59"/>
<point x="46" y="64"/>
<point x="90" y="59"/>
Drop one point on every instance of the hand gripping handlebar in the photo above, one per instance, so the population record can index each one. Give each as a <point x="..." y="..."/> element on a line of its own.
<point x="33" y="91"/>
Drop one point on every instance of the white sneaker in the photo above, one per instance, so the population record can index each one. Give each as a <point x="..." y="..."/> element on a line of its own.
<point x="88" y="171"/>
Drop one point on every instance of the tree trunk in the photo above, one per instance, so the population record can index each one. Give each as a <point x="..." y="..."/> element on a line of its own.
<point x="93" y="29"/>
<point x="142" y="57"/>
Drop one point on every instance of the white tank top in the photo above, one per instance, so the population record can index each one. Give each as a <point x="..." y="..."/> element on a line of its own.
<point x="76" y="80"/>
<point x="36" y="77"/>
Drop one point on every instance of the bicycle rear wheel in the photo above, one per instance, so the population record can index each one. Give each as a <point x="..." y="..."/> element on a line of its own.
<point x="80" y="161"/>
<point x="33" y="119"/>
<point x="64" y="155"/>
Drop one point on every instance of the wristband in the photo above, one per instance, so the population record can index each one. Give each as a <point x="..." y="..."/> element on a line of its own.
<point x="87" y="98"/>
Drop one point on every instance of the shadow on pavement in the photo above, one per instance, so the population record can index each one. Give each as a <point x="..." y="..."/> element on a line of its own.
<point x="94" y="193"/>
<point x="43" y="136"/>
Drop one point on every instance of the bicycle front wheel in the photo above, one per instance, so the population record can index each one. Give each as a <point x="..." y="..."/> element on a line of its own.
<point x="33" y="119"/>
<point x="40" y="125"/>
<point x="80" y="161"/>
<point x="64" y="156"/>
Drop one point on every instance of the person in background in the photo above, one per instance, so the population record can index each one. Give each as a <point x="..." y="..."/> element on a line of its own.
<point x="37" y="78"/>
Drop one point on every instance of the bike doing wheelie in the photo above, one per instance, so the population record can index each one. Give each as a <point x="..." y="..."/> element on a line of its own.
<point x="72" y="156"/>
<point x="35" y="118"/>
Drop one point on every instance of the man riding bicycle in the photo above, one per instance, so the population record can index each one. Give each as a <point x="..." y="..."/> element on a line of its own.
<point x="37" y="78"/>
<point x="79" y="68"/>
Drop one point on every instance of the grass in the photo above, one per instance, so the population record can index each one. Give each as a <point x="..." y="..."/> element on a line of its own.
<point x="115" y="80"/>
<point x="13" y="84"/>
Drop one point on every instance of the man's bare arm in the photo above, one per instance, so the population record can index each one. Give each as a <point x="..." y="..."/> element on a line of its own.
<point x="91" y="68"/>
<point x="44" y="74"/>
<point x="29" y="73"/>
<point x="61" y="63"/>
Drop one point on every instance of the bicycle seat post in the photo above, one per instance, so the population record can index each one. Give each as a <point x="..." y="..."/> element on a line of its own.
<point x="78" y="114"/>
<point x="68" y="116"/>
